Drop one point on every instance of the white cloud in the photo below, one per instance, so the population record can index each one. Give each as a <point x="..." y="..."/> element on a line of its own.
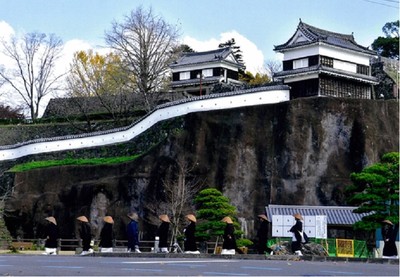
<point x="8" y="97"/>
<point x="6" y="31"/>
<point x="252" y="56"/>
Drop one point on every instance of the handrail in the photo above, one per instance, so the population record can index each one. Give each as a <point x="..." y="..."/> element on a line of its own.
<point x="73" y="244"/>
<point x="229" y="100"/>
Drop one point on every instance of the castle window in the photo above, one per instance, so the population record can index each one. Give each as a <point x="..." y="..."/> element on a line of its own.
<point x="300" y="63"/>
<point x="362" y="69"/>
<point x="326" y="61"/>
<point x="207" y="72"/>
<point x="342" y="65"/>
<point x="184" y="75"/>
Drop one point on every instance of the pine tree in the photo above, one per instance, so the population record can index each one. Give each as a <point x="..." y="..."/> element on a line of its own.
<point x="212" y="206"/>
<point x="375" y="190"/>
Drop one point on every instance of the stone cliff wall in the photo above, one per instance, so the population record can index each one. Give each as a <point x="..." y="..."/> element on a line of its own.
<point x="299" y="152"/>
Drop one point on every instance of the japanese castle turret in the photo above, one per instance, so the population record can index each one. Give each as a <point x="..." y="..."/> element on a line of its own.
<point x="195" y="73"/>
<point x="317" y="62"/>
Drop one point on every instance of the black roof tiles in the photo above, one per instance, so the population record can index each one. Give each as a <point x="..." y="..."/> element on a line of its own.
<point x="192" y="58"/>
<point x="336" y="215"/>
<point x="316" y="35"/>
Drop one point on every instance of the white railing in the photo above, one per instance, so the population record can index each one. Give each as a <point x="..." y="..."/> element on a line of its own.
<point x="229" y="100"/>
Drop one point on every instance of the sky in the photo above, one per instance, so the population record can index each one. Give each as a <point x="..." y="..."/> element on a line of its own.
<point x="256" y="25"/>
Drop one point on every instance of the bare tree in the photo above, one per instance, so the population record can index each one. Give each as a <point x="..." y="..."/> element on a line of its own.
<point x="272" y="66"/>
<point x="146" y="42"/>
<point x="180" y="190"/>
<point x="32" y="76"/>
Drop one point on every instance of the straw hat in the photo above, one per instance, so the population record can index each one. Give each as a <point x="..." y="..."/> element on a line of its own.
<point x="263" y="216"/>
<point x="298" y="216"/>
<point x="51" y="219"/>
<point x="227" y="219"/>
<point x="387" y="221"/>
<point x="191" y="217"/>
<point x="164" y="218"/>
<point x="83" y="218"/>
<point x="108" y="219"/>
<point x="133" y="216"/>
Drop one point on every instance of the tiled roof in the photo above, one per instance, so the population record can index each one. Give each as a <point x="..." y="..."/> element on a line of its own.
<point x="315" y="35"/>
<point x="327" y="70"/>
<point x="202" y="57"/>
<point x="336" y="215"/>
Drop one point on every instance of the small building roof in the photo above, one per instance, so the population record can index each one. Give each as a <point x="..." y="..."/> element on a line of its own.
<point x="307" y="34"/>
<point x="196" y="58"/>
<point x="336" y="215"/>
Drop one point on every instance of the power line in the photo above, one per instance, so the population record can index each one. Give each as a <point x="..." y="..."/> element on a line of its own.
<point x="383" y="4"/>
<point x="393" y="1"/>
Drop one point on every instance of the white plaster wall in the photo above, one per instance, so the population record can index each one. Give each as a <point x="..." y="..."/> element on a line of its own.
<point x="228" y="100"/>
<point x="326" y="50"/>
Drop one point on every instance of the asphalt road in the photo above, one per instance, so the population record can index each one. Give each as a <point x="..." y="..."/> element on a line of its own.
<point x="23" y="265"/>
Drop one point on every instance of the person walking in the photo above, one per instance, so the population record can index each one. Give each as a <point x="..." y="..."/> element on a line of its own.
<point x="263" y="234"/>
<point x="85" y="234"/>
<point x="132" y="231"/>
<point x="50" y="246"/>
<point x="107" y="235"/>
<point x="297" y="231"/>
<point x="389" y="234"/>
<point x="162" y="233"/>
<point x="229" y="244"/>
<point x="190" y="238"/>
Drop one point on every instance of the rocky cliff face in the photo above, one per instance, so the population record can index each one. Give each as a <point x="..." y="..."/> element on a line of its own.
<point x="300" y="152"/>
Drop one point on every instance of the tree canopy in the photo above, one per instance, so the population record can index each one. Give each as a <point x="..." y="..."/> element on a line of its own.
<point x="388" y="46"/>
<point x="237" y="52"/>
<point x="7" y="112"/>
<point x="146" y="43"/>
<point x="375" y="190"/>
<point x="211" y="207"/>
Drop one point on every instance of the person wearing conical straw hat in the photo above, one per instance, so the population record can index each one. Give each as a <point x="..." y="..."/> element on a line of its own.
<point x="190" y="238"/>
<point x="132" y="231"/>
<point x="162" y="233"/>
<point x="85" y="234"/>
<point x="263" y="234"/>
<point x="389" y="234"/>
<point x="50" y="245"/>
<point x="107" y="235"/>
<point x="297" y="231"/>
<point x="229" y="245"/>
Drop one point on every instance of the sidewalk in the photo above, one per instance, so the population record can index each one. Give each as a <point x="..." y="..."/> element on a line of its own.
<point x="216" y="256"/>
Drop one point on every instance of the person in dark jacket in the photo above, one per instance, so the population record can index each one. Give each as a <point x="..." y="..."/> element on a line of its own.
<point x="229" y="245"/>
<point x="190" y="238"/>
<point x="297" y="230"/>
<point x="50" y="245"/>
<point x="132" y="231"/>
<point x="389" y="234"/>
<point x="85" y="234"/>
<point x="162" y="233"/>
<point x="262" y="234"/>
<point x="107" y="235"/>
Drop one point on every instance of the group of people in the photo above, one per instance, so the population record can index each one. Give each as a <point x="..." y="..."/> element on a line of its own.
<point x="229" y="246"/>
<point x="85" y="234"/>
<point x="190" y="246"/>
